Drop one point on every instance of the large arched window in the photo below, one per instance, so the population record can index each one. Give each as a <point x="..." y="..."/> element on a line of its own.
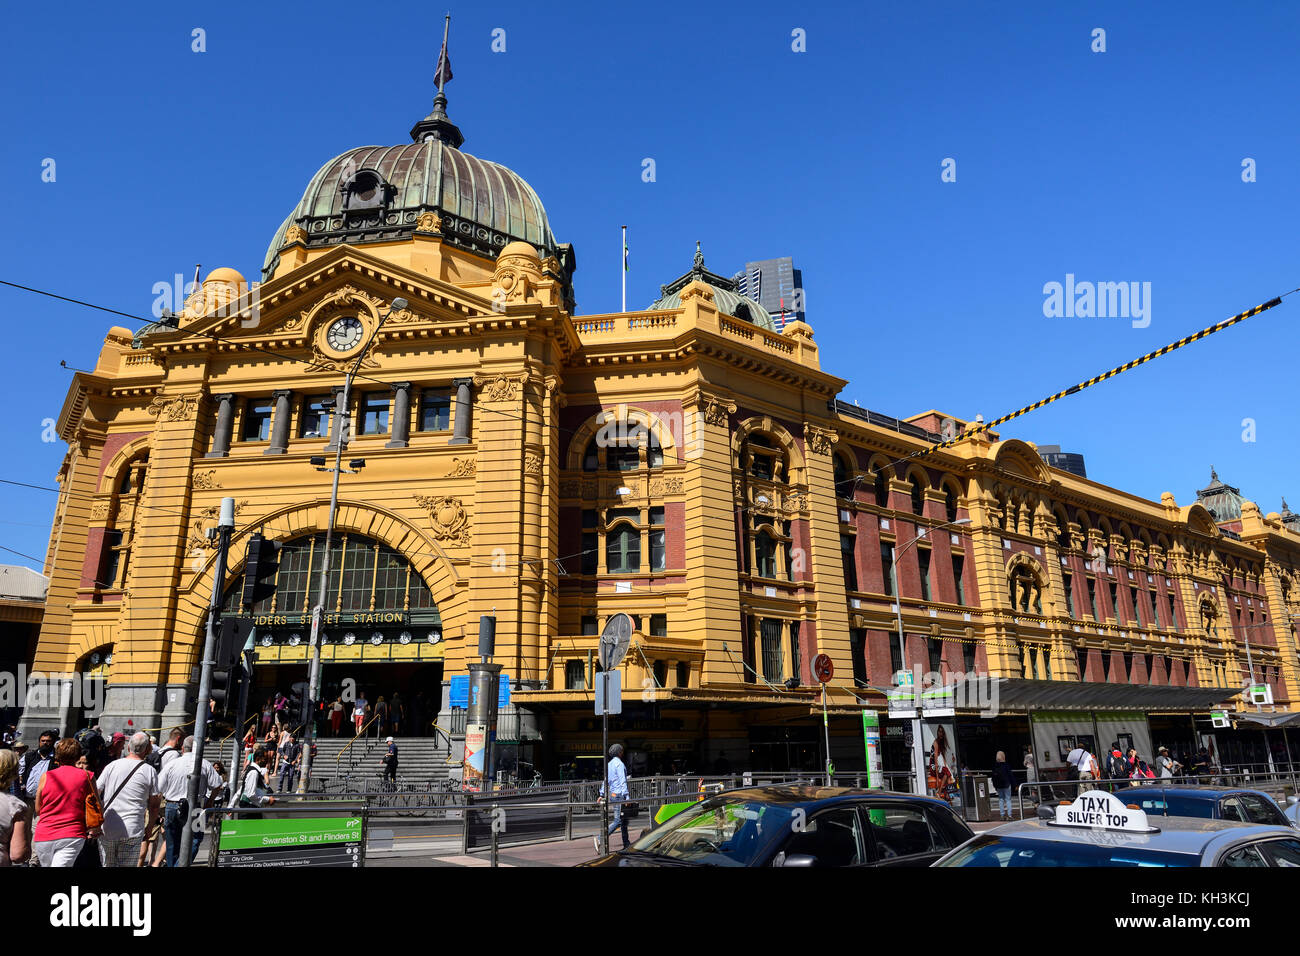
<point x="765" y="555"/>
<point x="918" y="495"/>
<point x="843" y="477"/>
<point x="364" y="576"/>
<point x="623" y="549"/>
<point x="950" y="502"/>
<point x="882" y="489"/>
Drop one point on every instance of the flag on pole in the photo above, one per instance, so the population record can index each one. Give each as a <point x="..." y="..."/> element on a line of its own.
<point x="625" y="255"/>
<point x="443" y="73"/>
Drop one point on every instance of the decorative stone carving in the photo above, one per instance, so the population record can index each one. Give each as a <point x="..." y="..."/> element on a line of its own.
<point x="348" y="294"/>
<point x="199" y="527"/>
<point x="589" y="490"/>
<point x="716" y="410"/>
<point x="429" y="222"/>
<point x="205" y="480"/>
<point x="99" y="511"/>
<point x="570" y="488"/>
<point x="324" y="363"/>
<point x="294" y="233"/>
<point x="665" y="486"/>
<point x="292" y="324"/>
<point x="820" y="439"/>
<point x="794" y="501"/>
<point x="533" y="463"/>
<point x="517" y="275"/>
<point x="462" y="468"/>
<point x="499" y="388"/>
<point x="178" y="409"/>
<point x="448" y="516"/>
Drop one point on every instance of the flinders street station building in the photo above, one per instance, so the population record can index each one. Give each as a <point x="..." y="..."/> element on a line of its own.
<point x="687" y="464"/>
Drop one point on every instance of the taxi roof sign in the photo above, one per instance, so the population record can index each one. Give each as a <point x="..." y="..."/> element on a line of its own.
<point x="1096" y="809"/>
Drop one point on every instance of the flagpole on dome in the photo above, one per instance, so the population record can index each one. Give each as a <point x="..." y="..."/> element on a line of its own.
<point x="443" y="72"/>
<point x="436" y="126"/>
<point x="625" y="268"/>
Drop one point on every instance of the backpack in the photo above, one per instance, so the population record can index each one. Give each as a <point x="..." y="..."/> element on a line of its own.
<point x="155" y="757"/>
<point x="1115" y="767"/>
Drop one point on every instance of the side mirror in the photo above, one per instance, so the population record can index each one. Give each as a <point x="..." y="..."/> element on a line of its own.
<point x="1292" y="800"/>
<point x="800" y="859"/>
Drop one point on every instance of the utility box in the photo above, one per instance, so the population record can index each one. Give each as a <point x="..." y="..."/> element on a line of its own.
<point x="979" y="798"/>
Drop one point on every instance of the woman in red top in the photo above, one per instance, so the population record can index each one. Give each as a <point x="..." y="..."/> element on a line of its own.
<point x="61" y="808"/>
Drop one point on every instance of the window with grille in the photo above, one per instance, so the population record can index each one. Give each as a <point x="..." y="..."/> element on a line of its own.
<point x="590" y="628"/>
<point x="257" y="420"/>
<point x="575" y="675"/>
<point x="435" y="410"/>
<point x="895" y="657"/>
<point x="773" y="666"/>
<point x="374" y="413"/>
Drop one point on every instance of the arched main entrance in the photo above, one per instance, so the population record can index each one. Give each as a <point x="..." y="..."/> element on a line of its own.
<point x="381" y="632"/>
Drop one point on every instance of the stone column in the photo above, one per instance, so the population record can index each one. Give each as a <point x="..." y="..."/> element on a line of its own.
<point x="338" y="421"/>
<point x="461" y="424"/>
<point x="280" y="426"/>
<point x="401" y="416"/>
<point x="225" y="419"/>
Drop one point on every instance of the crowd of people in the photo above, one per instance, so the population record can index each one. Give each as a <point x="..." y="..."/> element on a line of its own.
<point x="85" y="801"/>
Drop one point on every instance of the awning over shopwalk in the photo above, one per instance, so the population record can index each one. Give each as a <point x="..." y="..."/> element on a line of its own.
<point x="1016" y="695"/>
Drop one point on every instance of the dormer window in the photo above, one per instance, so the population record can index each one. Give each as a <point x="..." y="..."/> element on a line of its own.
<point x="365" y="189"/>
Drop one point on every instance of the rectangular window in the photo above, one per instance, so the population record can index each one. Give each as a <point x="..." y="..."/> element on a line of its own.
<point x="1081" y="658"/>
<point x="314" y="419"/>
<point x="435" y="410"/>
<point x="1092" y="599"/>
<point x="1133" y="595"/>
<point x="772" y="658"/>
<point x="1114" y="602"/>
<point x="622" y="458"/>
<point x="661" y="673"/>
<point x="761" y="467"/>
<point x="575" y="675"/>
<point x="257" y="420"/>
<point x="1105" y="665"/>
<point x="934" y="648"/>
<point x="794" y="651"/>
<point x="590" y="544"/>
<point x="1150" y="659"/>
<point x="1155" y="609"/>
<point x="658" y="555"/>
<point x="589" y="626"/>
<point x="658" y="625"/>
<point x="622" y="550"/>
<point x="923" y="559"/>
<point x="858" y="648"/>
<point x="887" y="569"/>
<point x="111" y="560"/>
<point x="1067" y="583"/>
<point x="849" y="560"/>
<point x="958" y="566"/>
<point x="968" y="655"/>
<point x="683" y="674"/>
<point x="1047" y="663"/>
<point x="895" y="658"/>
<point x="1128" y="666"/>
<point x="374" y="413"/>
<point x="1173" y="615"/>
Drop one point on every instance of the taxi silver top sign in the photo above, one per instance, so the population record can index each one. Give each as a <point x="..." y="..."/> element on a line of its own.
<point x="614" y="641"/>
<point x="1096" y="809"/>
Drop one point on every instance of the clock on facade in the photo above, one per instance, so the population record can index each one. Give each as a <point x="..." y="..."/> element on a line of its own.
<point x="344" y="334"/>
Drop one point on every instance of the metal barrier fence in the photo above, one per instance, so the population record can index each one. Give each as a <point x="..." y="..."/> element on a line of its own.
<point x="1277" y="785"/>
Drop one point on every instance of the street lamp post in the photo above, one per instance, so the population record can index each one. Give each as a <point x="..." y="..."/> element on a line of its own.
<point x="340" y="440"/>
<point x="918" y="751"/>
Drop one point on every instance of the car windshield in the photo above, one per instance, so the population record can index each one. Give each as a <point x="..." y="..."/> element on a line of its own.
<point x="1174" y="805"/>
<point x="720" y="832"/>
<point x="1010" y="851"/>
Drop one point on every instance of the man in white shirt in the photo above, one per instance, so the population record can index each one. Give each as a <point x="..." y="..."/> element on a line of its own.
<point x="1087" y="771"/>
<point x="128" y="791"/>
<point x="172" y="749"/>
<point x="174" y="783"/>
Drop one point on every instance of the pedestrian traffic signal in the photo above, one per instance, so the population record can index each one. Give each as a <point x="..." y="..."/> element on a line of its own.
<point x="260" y="565"/>
<point x="227" y="685"/>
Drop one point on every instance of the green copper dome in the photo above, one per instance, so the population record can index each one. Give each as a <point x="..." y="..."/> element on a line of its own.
<point x="725" y="296"/>
<point x="377" y="194"/>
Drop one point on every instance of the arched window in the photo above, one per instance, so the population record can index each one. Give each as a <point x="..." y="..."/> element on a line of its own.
<point x="623" y="549"/>
<point x="591" y="458"/>
<point x="763" y="458"/>
<point x="882" y="489"/>
<point x="918" y="496"/>
<point x="654" y="455"/>
<point x="950" y="502"/>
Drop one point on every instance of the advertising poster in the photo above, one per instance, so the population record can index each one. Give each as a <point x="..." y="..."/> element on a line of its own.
<point x="941" y="764"/>
<point x="475" y="751"/>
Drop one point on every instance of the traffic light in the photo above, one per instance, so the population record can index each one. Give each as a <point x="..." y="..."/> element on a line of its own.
<point x="228" y="672"/>
<point x="261" y="563"/>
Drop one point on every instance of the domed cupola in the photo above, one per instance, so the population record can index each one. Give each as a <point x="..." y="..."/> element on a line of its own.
<point x="725" y="296"/>
<point x="380" y="194"/>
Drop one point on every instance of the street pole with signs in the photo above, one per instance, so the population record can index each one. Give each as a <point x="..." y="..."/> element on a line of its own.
<point x="824" y="670"/>
<point x="614" y="641"/>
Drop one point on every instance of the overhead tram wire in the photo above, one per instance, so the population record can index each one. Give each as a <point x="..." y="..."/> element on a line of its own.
<point x="245" y="346"/>
<point x="1075" y="389"/>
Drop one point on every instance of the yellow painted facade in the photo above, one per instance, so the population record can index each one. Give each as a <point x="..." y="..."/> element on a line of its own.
<point x="494" y="525"/>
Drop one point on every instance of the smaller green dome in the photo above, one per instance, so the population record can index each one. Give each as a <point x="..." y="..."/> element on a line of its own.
<point x="725" y="296"/>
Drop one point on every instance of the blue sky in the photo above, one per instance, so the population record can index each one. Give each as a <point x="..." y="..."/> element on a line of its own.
<point x="1115" y="166"/>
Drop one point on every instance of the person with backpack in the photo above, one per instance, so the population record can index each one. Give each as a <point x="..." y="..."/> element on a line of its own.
<point x="159" y="757"/>
<point x="1117" y="767"/>
<point x="255" y="791"/>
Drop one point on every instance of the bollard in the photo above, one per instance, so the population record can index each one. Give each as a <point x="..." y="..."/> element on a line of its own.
<point x="494" y="846"/>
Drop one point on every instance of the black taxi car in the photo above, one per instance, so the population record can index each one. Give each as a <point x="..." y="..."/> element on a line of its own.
<point x="802" y="826"/>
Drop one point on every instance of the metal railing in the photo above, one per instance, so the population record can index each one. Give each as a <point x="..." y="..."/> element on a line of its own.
<point x="1275" y="784"/>
<point x="360" y="735"/>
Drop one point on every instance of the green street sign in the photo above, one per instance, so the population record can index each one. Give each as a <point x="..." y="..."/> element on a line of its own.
<point x="290" y="832"/>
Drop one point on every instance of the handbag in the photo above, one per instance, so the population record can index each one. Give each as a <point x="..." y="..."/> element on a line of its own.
<point x="94" y="810"/>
